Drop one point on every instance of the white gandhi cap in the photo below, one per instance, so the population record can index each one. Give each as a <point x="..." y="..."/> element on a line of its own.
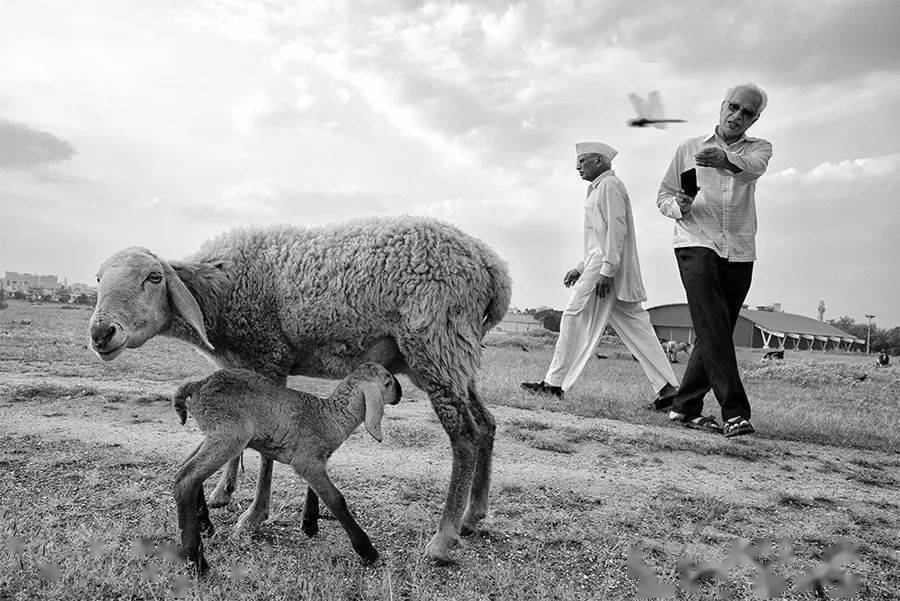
<point x="595" y="148"/>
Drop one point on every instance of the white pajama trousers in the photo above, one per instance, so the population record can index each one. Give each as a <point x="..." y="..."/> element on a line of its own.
<point x="580" y="329"/>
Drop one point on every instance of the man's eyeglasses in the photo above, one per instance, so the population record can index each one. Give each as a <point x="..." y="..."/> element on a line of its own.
<point x="744" y="112"/>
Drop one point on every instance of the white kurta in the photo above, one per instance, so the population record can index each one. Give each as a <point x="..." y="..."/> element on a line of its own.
<point x="610" y="250"/>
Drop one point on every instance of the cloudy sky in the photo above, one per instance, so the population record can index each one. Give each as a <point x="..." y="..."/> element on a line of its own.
<point x="163" y="123"/>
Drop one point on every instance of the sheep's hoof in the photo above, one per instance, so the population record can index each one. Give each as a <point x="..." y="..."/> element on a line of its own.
<point x="310" y="528"/>
<point x="368" y="553"/>
<point x="219" y="498"/>
<point x="438" y="549"/>
<point x="206" y="528"/>
<point x="251" y="521"/>
<point x="198" y="563"/>
<point x="470" y="523"/>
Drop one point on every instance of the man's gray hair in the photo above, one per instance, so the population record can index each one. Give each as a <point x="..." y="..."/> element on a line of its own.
<point x="763" y="97"/>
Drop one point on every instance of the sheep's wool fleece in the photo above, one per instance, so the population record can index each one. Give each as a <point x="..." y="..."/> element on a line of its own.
<point x="335" y="288"/>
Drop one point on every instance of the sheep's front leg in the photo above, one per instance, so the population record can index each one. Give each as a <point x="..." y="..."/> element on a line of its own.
<point x="320" y="482"/>
<point x="310" y="513"/>
<point x="258" y="512"/>
<point x="221" y="495"/>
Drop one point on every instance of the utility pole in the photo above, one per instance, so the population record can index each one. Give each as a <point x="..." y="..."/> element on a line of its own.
<point x="869" y="332"/>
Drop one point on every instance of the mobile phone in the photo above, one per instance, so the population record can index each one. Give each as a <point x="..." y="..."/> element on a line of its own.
<point x="689" y="182"/>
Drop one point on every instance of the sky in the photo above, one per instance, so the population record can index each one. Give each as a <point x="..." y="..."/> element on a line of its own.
<point x="161" y="124"/>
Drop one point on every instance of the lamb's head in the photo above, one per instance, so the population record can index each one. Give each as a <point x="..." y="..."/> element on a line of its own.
<point x="138" y="295"/>
<point x="379" y="387"/>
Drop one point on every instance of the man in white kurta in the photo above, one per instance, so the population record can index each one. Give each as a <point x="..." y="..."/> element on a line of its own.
<point x="607" y="286"/>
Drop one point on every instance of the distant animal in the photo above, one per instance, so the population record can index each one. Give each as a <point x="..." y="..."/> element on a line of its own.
<point x="411" y="293"/>
<point x="672" y="348"/>
<point x="884" y="359"/>
<point x="238" y="408"/>
<point x="649" y="111"/>
<point x="774" y="355"/>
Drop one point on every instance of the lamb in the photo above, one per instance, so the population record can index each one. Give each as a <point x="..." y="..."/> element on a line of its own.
<point x="411" y="293"/>
<point x="238" y="408"/>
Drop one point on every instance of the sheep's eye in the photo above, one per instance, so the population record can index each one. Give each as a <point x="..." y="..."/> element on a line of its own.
<point x="154" y="278"/>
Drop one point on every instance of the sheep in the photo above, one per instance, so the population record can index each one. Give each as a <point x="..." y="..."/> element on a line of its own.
<point x="238" y="408"/>
<point x="672" y="348"/>
<point x="414" y="294"/>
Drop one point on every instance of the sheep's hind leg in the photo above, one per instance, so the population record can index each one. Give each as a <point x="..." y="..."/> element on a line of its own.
<point x="258" y="512"/>
<point x="203" y="519"/>
<point x="221" y="495"/>
<point x="481" y="480"/>
<point x="319" y="481"/>
<point x="188" y="491"/>
<point x="460" y="427"/>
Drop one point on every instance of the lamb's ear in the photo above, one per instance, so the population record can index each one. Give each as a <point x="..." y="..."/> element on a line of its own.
<point x="374" y="409"/>
<point x="185" y="304"/>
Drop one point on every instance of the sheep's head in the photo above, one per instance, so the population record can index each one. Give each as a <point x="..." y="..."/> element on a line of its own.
<point x="379" y="388"/>
<point x="137" y="297"/>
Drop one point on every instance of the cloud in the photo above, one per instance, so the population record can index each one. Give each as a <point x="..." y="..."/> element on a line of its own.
<point x="262" y="201"/>
<point x="22" y="147"/>
<point x="843" y="177"/>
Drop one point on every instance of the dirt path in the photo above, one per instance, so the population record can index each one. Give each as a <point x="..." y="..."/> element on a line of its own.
<point x="600" y="459"/>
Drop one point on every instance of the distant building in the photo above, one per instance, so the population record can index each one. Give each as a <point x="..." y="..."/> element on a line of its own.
<point x="26" y="281"/>
<point x="518" y="322"/>
<point x="768" y="328"/>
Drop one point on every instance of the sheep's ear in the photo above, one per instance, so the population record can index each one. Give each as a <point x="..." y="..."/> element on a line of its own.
<point x="185" y="303"/>
<point x="374" y="409"/>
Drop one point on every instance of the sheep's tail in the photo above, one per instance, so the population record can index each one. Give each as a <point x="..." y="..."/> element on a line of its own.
<point x="499" y="293"/>
<point x="185" y="391"/>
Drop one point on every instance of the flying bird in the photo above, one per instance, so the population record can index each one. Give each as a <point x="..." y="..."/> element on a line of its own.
<point x="649" y="111"/>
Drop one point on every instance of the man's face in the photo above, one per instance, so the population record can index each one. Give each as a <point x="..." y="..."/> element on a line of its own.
<point x="589" y="166"/>
<point x="739" y="112"/>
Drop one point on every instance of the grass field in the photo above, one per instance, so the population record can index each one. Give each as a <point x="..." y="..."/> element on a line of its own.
<point x="89" y="450"/>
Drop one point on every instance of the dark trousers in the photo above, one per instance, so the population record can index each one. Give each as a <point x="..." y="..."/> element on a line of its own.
<point x="716" y="289"/>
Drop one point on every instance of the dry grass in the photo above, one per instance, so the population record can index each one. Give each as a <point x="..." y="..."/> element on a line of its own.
<point x="82" y="520"/>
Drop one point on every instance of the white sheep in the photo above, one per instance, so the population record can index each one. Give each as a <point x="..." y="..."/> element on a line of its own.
<point x="238" y="408"/>
<point x="413" y="294"/>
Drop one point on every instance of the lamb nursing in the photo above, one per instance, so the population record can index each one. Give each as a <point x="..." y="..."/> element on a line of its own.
<point x="239" y="408"/>
<point x="413" y="294"/>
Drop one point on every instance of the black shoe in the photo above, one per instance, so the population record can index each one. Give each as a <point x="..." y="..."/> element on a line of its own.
<point x="664" y="399"/>
<point x="542" y="388"/>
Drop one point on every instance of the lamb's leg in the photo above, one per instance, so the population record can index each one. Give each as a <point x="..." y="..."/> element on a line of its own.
<point x="212" y="454"/>
<point x="320" y="482"/>
<point x="481" y="480"/>
<point x="258" y="512"/>
<point x="310" y="513"/>
<point x="460" y="427"/>
<point x="221" y="495"/>
<point x="205" y="523"/>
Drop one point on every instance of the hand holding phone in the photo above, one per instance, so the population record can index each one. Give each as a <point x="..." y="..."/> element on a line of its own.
<point x="688" y="182"/>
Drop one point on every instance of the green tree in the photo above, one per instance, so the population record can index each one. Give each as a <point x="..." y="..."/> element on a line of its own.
<point x="549" y="318"/>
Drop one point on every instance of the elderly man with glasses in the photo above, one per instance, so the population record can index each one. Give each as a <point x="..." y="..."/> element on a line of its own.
<point x="715" y="229"/>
